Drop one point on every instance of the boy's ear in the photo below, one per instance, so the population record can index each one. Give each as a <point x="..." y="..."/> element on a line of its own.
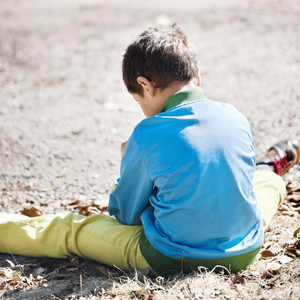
<point x="199" y="80"/>
<point x="148" y="86"/>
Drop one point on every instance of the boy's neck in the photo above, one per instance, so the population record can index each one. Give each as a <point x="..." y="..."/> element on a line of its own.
<point x="175" y="87"/>
<point x="153" y="98"/>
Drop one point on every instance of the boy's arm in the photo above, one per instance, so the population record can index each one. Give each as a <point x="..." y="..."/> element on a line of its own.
<point x="132" y="189"/>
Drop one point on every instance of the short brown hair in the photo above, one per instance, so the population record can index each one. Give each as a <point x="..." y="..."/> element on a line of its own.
<point x="162" y="55"/>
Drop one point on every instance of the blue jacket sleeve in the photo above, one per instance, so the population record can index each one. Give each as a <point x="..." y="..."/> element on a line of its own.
<point x="132" y="189"/>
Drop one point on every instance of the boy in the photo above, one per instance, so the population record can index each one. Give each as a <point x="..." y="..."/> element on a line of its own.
<point x="185" y="195"/>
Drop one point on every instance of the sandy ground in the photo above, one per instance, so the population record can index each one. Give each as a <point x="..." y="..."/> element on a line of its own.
<point x="64" y="110"/>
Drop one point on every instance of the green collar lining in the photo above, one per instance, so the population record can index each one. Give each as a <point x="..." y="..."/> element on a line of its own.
<point x="192" y="94"/>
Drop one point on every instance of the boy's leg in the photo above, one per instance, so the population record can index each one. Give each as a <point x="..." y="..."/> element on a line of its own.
<point x="270" y="191"/>
<point x="268" y="186"/>
<point x="97" y="237"/>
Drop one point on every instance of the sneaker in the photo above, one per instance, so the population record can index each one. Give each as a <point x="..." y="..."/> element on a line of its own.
<point x="281" y="157"/>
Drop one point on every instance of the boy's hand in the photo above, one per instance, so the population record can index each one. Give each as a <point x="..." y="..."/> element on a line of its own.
<point x="123" y="147"/>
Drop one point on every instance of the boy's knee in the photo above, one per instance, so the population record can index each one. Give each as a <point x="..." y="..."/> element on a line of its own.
<point x="267" y="180"/>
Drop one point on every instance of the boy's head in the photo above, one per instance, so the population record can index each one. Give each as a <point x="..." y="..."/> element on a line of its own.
<point x="162" y="55"/>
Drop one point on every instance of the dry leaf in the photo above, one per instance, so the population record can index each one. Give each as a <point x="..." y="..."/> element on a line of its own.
<point x="235" y="279"/>
<point x="266" y="275"/>
<point x="293" y="251"/>
<point x="76" y="203"/>
<point x="39" y="278"/>
<point x="88" y="210"/>
<point x="143" y="294"/>
<point x="31" y="212"/>
<point x="74" y="262"/>
<point x="293" y="186"/>
<point x="293" y="198"/>
<point x="283" y="208"/>
<point x="296" y="233"/>
<point x="290" y="254"/>
<point x="289" y="213"/>
<point x="101" y="271"/>
<point x="15" y="280"/>
<point x="267" y="253"/>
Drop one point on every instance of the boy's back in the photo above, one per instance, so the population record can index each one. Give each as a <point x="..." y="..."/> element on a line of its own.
<point x="200" y="157"/>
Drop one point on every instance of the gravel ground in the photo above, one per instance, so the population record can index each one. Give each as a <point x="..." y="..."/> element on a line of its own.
<point x="64" y="110"/>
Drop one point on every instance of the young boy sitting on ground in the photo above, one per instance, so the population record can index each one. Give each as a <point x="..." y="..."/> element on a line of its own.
<point x="188" y="194"/>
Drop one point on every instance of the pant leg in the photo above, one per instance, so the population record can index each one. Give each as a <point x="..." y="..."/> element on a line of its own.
<point x="97" y="237"/>
<point x="270" y="191"/>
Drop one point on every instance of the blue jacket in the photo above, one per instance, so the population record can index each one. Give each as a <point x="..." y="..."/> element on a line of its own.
<point x="186" y="175"/>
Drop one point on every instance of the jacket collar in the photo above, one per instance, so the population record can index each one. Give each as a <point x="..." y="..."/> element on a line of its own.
<point x="192" y="94"/>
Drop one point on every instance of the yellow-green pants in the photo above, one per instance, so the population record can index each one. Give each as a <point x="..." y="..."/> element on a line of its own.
<point x="103" y="238"/>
